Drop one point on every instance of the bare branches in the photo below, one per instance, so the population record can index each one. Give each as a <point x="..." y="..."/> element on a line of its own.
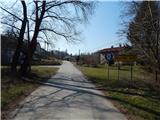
<point x="62" y="15"/>
<point x="46" y="36"/>
<point x="143" y="32"/>
<point x="57" y="33"/>
<point x="58" y="15"/>
<point x="11" y="13"/>
<point x="59" y="3"/>
<point x="36" y="4"/>
<point x="52" y="20"/>
<point x="13" y="26"/>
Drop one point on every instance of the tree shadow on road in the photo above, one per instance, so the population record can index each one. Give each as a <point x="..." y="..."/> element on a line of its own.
<point x="137" y="95"/>
<point x="59" y="101"/>
<point x="74" y="89"/>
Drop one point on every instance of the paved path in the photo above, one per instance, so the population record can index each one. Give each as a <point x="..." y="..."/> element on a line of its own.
<point x="69" y="97"/>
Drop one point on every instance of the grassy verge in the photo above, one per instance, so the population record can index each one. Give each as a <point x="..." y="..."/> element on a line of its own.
<point x="43" y="73"/>
<point x="47" y="62"/>
<point x="138" y="99"/>
<point x="14" y="89"/>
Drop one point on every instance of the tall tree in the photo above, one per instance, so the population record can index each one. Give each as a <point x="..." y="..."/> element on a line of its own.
<point x="143" y="32"/>
<point x="55" y="18"/>
<point x="20" y="36"/>
<point x="20" y="39"/>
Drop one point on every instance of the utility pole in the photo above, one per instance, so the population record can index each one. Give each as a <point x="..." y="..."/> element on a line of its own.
<point x="47" y="45"/>
<point x="47" y="48"/>
<point x="58" y="53"/>
<point x="79" y="52"/>
<point x="29" y="52"/>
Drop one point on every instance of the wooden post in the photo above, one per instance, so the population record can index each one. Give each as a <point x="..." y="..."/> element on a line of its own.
<point x="108" y="71"/>
<point x="131" y="72"/>
<point x="118" y="71"/>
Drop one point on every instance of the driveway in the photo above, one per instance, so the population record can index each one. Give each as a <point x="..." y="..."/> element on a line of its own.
<point x="67" y="96"/>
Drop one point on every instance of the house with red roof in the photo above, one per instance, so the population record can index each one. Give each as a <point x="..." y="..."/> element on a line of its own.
<point x="108" y="54"/>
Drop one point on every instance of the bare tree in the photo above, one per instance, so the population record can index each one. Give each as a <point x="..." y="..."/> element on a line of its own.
<point x="143" y="32"/>
<point x="21" y="34"/>
<point x="55" y="18"/>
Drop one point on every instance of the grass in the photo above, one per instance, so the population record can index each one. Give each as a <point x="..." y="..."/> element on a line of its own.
<point x="43" y="73"/>
<point x="138" y="99"/>
<point x="14" y="91"/>
<point x="47" y="62"/>
<point x="14" y="88"/>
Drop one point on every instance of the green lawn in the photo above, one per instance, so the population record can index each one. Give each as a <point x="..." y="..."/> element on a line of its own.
<point x="138" y="98"/>
<point x="10" y="90"/>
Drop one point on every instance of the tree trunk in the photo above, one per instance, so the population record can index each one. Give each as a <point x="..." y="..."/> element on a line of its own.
<point x="24" y="70"/>
<point x="15" y="58"/>
<point x="20" y="40"/>
<point x="25" y="66"/>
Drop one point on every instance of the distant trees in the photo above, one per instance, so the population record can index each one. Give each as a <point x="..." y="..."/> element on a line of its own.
<point x="143" y="32"/>
<point x="89" y="59"/>
<point x="46" y="20"/>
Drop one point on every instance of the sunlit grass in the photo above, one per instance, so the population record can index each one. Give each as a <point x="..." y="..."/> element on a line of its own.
<point x="136" y="97"/>
<point x="43" y="72"/>
<point x="10" y="94"/>
<point x="11" y="91"/>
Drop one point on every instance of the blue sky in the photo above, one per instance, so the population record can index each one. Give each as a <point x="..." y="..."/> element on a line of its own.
<point x="99" y="33"/>
<point x="101" y="30"/>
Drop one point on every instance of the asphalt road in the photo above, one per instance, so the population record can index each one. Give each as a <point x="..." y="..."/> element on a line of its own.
<point x="68" y="96"/>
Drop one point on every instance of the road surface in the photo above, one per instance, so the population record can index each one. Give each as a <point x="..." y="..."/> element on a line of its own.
<point x="69" y="96"/>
